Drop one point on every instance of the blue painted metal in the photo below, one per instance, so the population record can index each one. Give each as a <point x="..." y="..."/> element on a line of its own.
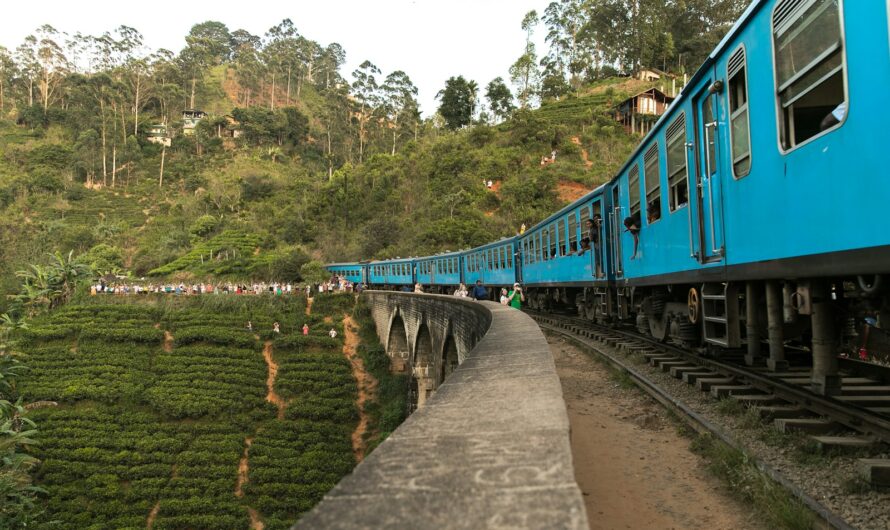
<point x="827" y="194"/>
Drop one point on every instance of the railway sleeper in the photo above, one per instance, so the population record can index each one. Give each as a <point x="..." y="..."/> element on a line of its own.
<point x="692" y="377"/>
<point x="875" y="472"/>
<point x="807" y="425"/>
<point x="722" y="391"/>
<point x="704" y="384"/>
<point x="843" y="444"/>
<point x="678" y="371"/>
<point x="667" y="366"/>
<point x="759" y="400"/>
<point x="772" y="412"/>
<point x="656" y="361"/>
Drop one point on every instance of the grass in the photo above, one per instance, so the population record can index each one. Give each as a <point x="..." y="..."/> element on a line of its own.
<point x="774" y="503"/>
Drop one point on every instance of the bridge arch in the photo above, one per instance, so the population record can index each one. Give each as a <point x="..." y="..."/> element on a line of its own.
<point x="423" y="369"/>
<point x="397" y="343"/>
<point x="450" y="358"/>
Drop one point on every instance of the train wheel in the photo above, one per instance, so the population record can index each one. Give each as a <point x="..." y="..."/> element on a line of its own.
<point x="693" y="303"/>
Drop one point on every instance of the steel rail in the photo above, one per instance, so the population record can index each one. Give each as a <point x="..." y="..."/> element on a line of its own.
<point x="702" y="425"/>
<point x="852" y="416"/>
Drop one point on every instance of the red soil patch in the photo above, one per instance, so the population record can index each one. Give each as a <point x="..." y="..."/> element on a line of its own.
<point x="243" y="469"/>
<point x="271" y="395"/>
<point x="571" y="191"/>
<point x="584" y="155"/>
<point x="367" y="386"/>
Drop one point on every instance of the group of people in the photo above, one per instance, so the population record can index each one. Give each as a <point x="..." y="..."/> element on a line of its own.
<point x="196" y="288"/>
<point x="276" y="328"/>
<point x="335" y="284"/>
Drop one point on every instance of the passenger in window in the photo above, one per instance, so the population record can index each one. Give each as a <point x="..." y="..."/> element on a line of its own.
<point x="632" y="225"/>
<point x="585" y="245"/>
<point x="834" y="117"/>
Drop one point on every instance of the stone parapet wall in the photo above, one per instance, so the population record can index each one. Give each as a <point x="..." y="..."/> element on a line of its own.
<point x="488" y="447"/>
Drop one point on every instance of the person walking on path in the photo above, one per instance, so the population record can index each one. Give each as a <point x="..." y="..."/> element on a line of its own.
<point x="276" y="327"/>
<point x="305" y="329"/>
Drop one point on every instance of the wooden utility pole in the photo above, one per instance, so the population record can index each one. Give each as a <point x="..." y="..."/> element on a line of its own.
<point x="161" y="177"/>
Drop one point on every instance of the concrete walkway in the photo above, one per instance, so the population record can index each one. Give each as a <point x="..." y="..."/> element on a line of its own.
<point x="489" y="450"/>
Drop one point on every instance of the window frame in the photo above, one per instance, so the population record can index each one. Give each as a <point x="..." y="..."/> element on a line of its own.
<point x="682" y="136"/>
<point x="780" y="112"/>
<point x="656" y="148"/>
<point x="733" y="114"/>
<point x="630" y="188"/>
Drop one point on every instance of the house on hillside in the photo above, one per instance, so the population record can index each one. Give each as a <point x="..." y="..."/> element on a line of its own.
<point x="639" y="113"/>
<point x="159" y="134"/>
<point x="190" y="119"/>
<point x="651" y="74"/>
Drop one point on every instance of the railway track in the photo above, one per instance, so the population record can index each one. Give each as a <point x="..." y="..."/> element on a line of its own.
<point x="832" y="423"/>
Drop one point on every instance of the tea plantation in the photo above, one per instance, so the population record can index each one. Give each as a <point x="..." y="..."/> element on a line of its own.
<point x="159" y="398"/>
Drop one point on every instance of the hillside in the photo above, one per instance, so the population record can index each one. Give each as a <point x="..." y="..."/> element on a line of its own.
<point x="172" y="414"/>
<point x="427" y="197"/>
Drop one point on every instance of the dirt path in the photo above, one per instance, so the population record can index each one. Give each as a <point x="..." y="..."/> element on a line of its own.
<point x="633" y="467"/>
<point x="309" y="306"/>
<point x="271" y="395"/>
<point x="168" y="341"/>
<point x="152" y="515"/>
<point x="243" y="469"/>
<point x="584" y="155"/>
<point x="367" y="385"/>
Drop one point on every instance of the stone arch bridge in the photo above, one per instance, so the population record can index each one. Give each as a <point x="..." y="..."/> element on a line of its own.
<point x="487" y="447"/>
<point x="427" y="336"/>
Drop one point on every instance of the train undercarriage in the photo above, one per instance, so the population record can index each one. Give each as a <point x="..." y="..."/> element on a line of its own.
<point x="764" y="320"/>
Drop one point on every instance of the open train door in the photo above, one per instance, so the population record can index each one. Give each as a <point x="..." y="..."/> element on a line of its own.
<point x="706" y="229"/>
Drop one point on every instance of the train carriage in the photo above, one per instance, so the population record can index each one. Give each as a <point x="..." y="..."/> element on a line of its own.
<point x="392" y="273"/>
<point x="440" y="272"/>
<point x="495" y="264"/>
<point x="353" y="272"/>
<point x="750" y="213"/>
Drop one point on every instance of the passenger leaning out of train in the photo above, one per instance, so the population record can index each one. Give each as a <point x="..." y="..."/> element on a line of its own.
<point x="632" y="225"/>
<point x="834" y="117"/>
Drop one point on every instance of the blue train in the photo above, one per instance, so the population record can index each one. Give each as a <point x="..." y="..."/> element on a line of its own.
<point x="748" y="217"/>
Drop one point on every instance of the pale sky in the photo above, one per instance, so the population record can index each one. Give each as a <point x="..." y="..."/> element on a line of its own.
<point x="431" y="40"/>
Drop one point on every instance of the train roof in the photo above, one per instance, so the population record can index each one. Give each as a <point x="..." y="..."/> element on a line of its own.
<point x="501" y="241"/>
<point x="574" y="204"/>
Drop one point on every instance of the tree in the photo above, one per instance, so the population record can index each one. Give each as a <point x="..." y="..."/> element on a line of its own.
<point x="400" y="104"/>
<point x="458" y="102"/>
<point x="208" y="44"/>
<point x="524" y="72"/>
<point x="314" y="272"/>
<point x="571" y="49"/>
<point x="52" y="61"/>
<point x="367" y="94"/>
<point x="500" y="100"/>
<point x="8" y="72"/>
<point x="329" y="64"/>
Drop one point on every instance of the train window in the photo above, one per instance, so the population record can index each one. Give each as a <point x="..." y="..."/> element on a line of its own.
<point x="573" y="232"/>
<point x="676" y="162"/>
<point x="809" y="66"/>
<point x="633" y="186"/>
<point x="554" y="241"/>
<point x="503" y="253"/>
<point x="739" y="131"/>
<point x="543" y="247"/>
<point x="653" y="184"/>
